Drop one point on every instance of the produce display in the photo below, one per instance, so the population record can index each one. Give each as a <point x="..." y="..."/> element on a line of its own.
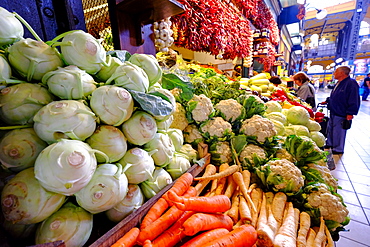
<point x="96" y="134"/>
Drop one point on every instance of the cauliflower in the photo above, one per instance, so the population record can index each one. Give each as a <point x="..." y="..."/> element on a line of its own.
<point x="192" y="134"/>
<point x="323" y="172"/>
<point x="200" y="107"/>
<point x="189" y="151"/>
<point x="216" y="127"/>
<point x="281" y="175"/>
<point x="282" y="153"/>
<point x="303" y="149"/>
<point x="250" y="151"/>
<point x="258" y="126"/>
<point x="230" y="109"/>
<point x="330" y="205"/>
<point x="179" y="118"/>
<point x="221" y="152"/>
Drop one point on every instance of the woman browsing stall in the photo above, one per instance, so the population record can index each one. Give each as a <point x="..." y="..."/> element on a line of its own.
<point x="305" y="90"/>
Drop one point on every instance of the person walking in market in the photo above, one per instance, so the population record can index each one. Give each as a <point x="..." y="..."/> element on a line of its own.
<point x="366" y="87"/>
<point x="343" y="103"/>
<point x="305" y="90"/>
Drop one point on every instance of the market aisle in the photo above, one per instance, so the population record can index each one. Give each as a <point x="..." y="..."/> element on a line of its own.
<point x="353" y="174"/>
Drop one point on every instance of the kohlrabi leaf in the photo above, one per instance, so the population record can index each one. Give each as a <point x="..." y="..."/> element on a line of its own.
<point x="152" y="104"/>
<point x="120" y="54"/>
<point x="171" y="81"/>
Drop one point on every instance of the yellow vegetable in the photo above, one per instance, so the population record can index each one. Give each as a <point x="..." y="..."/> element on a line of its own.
<point x="259" y="82"/>
<point x="264" y="88"/>
<point x="256" y="88"/>
<point x="259" y="76"/>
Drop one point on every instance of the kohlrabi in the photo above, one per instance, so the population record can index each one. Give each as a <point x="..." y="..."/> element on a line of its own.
<point x="162" y="147"/>
<point x="149" y="64"/>
<point x="178" y="165"/>
<point x="177" y="138"/>
<point x="160" y="179"/>
<point x="106" y="72"/>
<point x="11" y="28"/>
<point x="140" y="128"/>
<point x="112" y="104"/>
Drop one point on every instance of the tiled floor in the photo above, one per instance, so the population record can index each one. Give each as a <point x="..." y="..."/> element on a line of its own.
<point x="353" y="174"/>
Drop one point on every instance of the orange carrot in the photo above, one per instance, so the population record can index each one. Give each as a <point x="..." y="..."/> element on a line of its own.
<point x="202" y="222"/>
<point x="129" y="239"/>
<point x="209" y="170"/>
<point x="243" y="236"/>
<point x="212" y="204"/>
<point x="204" y="238"/>
<point x="164" y="222"/>
<point x="230" y="170"/>
<point x="181" y="185"/>
<point x="174" y="234"/>
<point x="147" y="243"/>
<point x="158" y="208"/>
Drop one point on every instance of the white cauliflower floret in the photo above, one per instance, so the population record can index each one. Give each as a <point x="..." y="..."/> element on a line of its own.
<point x="203" y="108"/>
<point x="176" y="92"/>
<point x="258" y="126"/>
<point x="325" y="174"/>
<point x="282" y="153"/>
<point x="330" y="206"/>
<point x="179" y="118"/>
<point x="191" y="133"/>
<point x="230" y="108"/>
<point x="249" y="151"/>
<point x="221" y="152"/>
<point x="217" y="127"/>
<point x="283" y="175"/>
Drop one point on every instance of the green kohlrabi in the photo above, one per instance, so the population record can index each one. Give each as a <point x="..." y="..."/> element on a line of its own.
<point x="69" y="82"/>
<point x="107" y="187"/>
<point x="177" y="138"/>
<point x="11" y="28"/>
<point x="140" y="128"/>
<point x="66" y="166"/>
<point x="81" y="49"/>
<point x="19" y="103"/>
<point x="6" y="73"/>
<point x="106" y="72"/>
<point x="19" y="149"/>
<point x="165" y="125"/>
<point x="138" y="165"/>
<point x="109" y="140"/>
<point x="32" y="59"/>
<point x="133" y="200"/>
<point x="149" y="64"/>
<point x="130" y="76"/>
<point x="189" y="151"/>
<point x="68" y="119"/>
<point x="25" y="201"/>
<point x="71" y="224"/>
<point x="162" y="147"/>
<point x="178" y="165"/>
<point x="160" y="179"/>
<point x="112" y="104"/>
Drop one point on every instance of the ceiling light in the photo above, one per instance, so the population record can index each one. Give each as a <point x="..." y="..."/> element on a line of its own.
<point x="321" y="14"/>
<point x="339" y="60"/>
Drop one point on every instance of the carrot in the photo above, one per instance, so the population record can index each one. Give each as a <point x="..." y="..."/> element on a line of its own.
<point x="244" y="211"/>
<point x="233" y="212"/>
<point x="230" y="170"/>
<point x="278" y="205"/>
<point x="311" y="238"/>
<point x="231" y="186"/>
<point x="329" y="238"/>
<point x="158" y="208"/>
<point x="129" y="239"/>
<point x="212" y="204"/>
<point x="181" y="185"/>
<point x="222" y="181"/>
<point x="209" y="170"/>
<point x="204" y="238"/>
<point x="320" y="235"/>
<point x="243" y="236"/>
<point x="164" y="222"/>
<point x="238" y="178"/>
<point x="287" y="233"/>
<point x="256" y="197"/>
<point x="174" y="234"/>
<point x="147" y="243"/>
<point x="304" y="226"/>
<point x="202" y="222"/>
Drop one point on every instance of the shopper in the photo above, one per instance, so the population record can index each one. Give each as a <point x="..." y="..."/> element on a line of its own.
<point x="343" y="103"/>
<point x="366" y="87"/>
<point x="275" y="80"/>
<point x="305" y="90"/>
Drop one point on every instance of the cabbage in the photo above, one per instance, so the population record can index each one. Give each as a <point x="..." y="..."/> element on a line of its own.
<point x="313" y="125"/>
<point x="140" y="128"/>
<point x="298" y="115"/>
<point x="149" y="64"/>
<point x="69" y="82"/>
<point x="162" y="148"/>
<point x="19" y="103"/>
<point x="132" y="201"/>
<point x="160" y="179"/>
<point x="19" y="149"/>
<point x="66" y="167"/>
<point x="279" y="127"/>
<point x="298" y="130"/>
<point x="273" y="106"/>
<point x="71" y="223"/>
<point x="178" y="165"/>
<point x="25" y="201"/>
<point x="113" y="105"/>
<point x="11" y="28"/>
<point x="107" y="187"/>
<point x="278" y="116"/>
<point x="138" y="165"/>
<point x="318" y="137"/>
<point x="109" y="140"/>
<point x="64" y="119"/>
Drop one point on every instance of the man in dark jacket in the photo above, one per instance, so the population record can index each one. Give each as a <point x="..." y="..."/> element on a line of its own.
<point x="343" y="103"/>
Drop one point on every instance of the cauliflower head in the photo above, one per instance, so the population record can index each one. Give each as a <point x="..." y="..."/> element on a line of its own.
<point x="330" y="205"/>
<point x="221" y="152"/>
<point x="258" y="126"/>
<point x="323" y="171"/>
<point x="281" y="175"/>
<point x="192" y="134"/>
<point x="179" y="118"/>
<point x="216" y="127"/>
<point x="249" y="151"/>
<point x="282" y="153"/>
<point x="200" y="107"/>
<point x="230" y="109"/>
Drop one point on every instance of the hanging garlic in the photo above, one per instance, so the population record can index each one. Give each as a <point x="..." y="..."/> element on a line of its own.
<point x="163" y="34"/>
